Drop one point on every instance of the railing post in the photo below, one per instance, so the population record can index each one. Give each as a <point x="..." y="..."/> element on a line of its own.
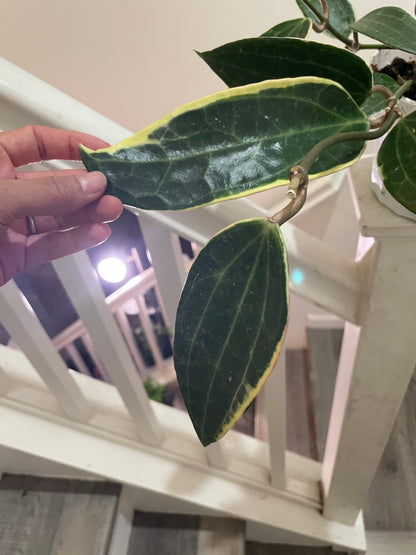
<point x="24" y="327"/>
<point x="377" y="358"/>
<point x="167" y="262"/>
<point x="76" y="275"/>
<point x="275" y="392"/>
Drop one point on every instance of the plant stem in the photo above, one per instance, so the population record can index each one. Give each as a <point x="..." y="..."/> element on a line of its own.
<point x="328" y="26"/>
<point x="299" y="174"/>
<point x="375" y="47"/>
<point x="319" y="28"/>
<point x="348" y="42"/>
<point x="297" y="193"/>
<point x="317" y="150"/>
<point x="291" y="209"/>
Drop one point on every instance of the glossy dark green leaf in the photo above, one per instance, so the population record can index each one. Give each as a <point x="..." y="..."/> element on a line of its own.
<point x="257" y="59"/>
<point x="298" y="28"/>
<point x="377" y="102"/>
<point x="341" y="14"/>
<point x="396" y="162"/>
<point x="233" y="143"/>
<point x="230" y="324"/>
<point x="392" y="26"/>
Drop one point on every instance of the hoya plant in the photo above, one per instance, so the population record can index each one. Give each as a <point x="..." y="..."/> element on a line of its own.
<point x="294" y="109"/>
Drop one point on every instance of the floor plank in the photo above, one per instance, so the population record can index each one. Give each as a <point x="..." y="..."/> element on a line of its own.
<point x="300" y="425"/>
<point x="50" y="516"/>
<point x="174" y="534"/>
<point x="324" y="350"/>
<point x="391" y="543"/>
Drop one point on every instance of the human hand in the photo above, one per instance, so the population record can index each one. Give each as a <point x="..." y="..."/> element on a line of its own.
<point x="68" y="207"/>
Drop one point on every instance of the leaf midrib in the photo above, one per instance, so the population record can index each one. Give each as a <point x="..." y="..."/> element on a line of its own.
<point x="222" y="273"/>
<point x="225" y="149"/>
<point x="265" y="296"/>
<point x="230" y="331"/>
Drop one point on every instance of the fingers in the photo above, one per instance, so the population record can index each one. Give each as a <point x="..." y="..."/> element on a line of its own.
<point x="57" y="200"/>
<point x="35" y="143"/>
<point x="47" y="173"/>
<point x="50" y="246"/>
<point x="45" y="196"/>
<point x="105" y="209"/>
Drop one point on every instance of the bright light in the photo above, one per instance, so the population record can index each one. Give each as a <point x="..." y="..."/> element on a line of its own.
<point x="130" y="307"/>
<point x="297" y="276"/>
<point x="112" y="269"/>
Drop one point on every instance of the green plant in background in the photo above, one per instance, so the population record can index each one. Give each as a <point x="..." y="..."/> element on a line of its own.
<point x="295" y="109"/>
<point x="154" y="390"/>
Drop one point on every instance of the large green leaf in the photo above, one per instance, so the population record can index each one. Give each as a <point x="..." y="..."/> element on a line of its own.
<point x="257" y="59"/>
<point x="377" y="102"/>
<point x="391" y="26"/>
<point x="396" y="162"/>
<point x="230" y="324"/>
<point x="341" y="14"/>
<point x="298" y="28"/>
<point x="230" y="144"/>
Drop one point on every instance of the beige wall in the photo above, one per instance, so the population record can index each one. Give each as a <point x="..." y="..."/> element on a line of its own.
<point x="133" y="60"/>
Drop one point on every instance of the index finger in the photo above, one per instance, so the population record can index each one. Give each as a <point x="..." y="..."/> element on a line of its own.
<point x="35" y="143"/>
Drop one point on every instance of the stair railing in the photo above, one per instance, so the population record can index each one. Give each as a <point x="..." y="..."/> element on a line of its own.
<point x="262" y="483"/>
<point x="133" y="291"/>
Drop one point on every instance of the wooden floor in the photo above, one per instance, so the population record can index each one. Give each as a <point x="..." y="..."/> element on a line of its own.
<point x="168" y="534"/>
<point x="391" y="504"/>
<point x="324" y="350"/>
<point x="172" y="534"/>
<point x="50" y="516"/>
<point x="300" y="427"/>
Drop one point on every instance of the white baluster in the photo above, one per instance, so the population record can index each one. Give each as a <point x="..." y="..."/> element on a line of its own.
<point x="23" y="325"/>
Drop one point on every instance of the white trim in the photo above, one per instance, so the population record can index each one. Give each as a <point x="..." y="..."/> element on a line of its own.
<point x="215" y="455"/>
<point x="324" y="321"/>
<point x="132" y="464"/>
<point x="275" y="393"/>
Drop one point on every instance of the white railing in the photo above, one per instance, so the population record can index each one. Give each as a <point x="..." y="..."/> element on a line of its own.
<point x="116" y="432"/>
<point x="132" y="293"/>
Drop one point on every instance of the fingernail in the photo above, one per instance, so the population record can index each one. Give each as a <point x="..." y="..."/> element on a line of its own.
<point x="93" y="182"/>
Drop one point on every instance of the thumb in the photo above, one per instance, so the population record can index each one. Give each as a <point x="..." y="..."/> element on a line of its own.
<point x="51" y="195"/>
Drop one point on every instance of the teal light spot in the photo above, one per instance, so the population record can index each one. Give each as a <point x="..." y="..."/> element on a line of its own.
<point x="297" y="276"/>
